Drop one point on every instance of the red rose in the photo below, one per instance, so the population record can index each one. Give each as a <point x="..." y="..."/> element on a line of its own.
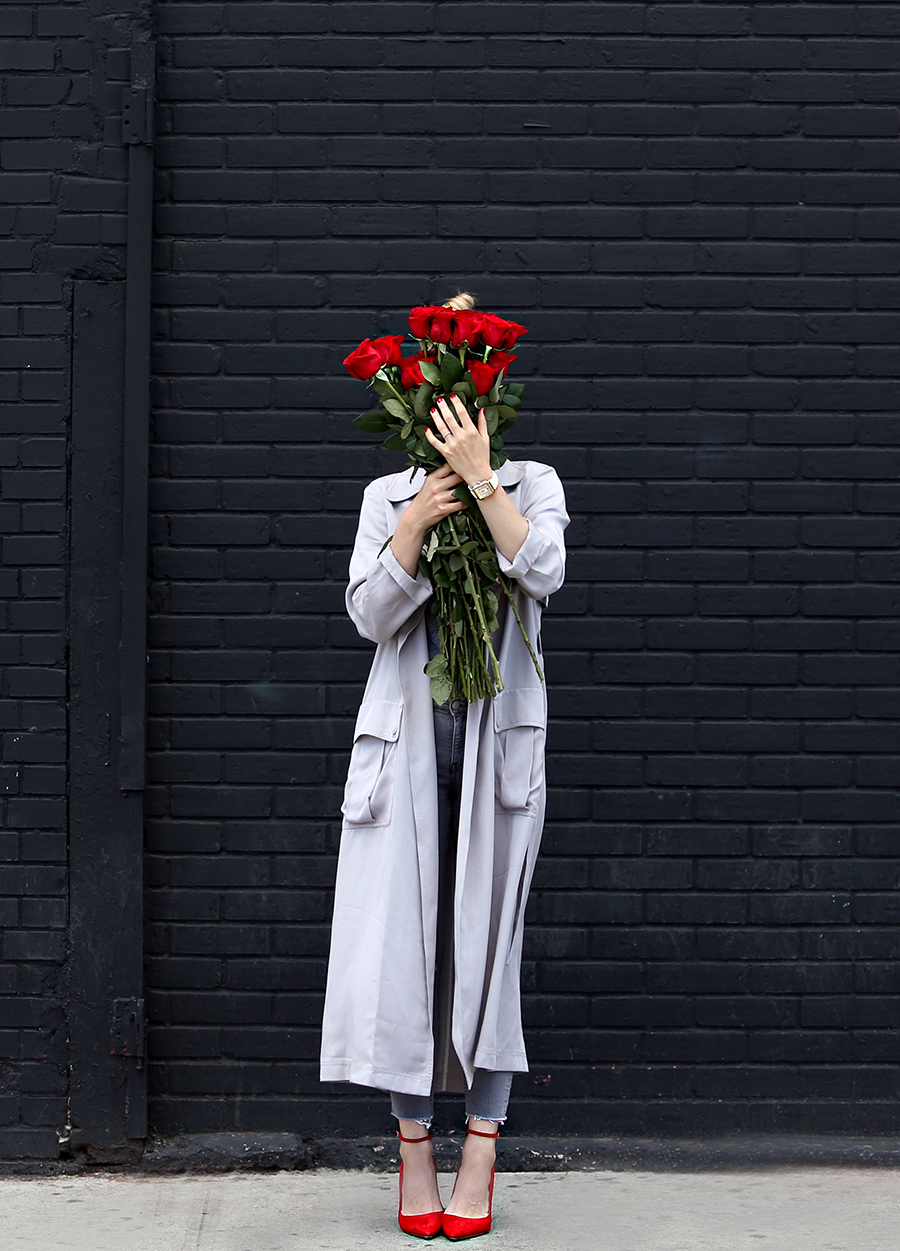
<point x="501" y="360"/>
<point x="420" y="319"/>
<point x="411" y="371"/>
<point x="431" y="321"/>
<point x="482" y="375"/>
<point x="498" y="333"/>
<point x="485" y="373"/>
<point x="372" y="355"/>
<point x="466" y="328"/>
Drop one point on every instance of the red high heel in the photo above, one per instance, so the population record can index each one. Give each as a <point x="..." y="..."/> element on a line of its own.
<point x="429" y="1223"/>
<point x="458" y="1227"/>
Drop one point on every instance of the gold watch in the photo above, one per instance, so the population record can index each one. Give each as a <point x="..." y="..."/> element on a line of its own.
<point x="483" y="490"/>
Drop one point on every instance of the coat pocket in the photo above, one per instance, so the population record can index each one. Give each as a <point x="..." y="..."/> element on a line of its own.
<point x="369" y="792"/>
<point x="519" y="737"/>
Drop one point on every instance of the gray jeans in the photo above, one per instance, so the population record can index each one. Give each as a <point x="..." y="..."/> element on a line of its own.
<point x="488" y="1096"/>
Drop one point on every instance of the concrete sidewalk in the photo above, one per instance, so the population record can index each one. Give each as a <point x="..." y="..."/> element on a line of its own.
<point x="795" y="1209"/>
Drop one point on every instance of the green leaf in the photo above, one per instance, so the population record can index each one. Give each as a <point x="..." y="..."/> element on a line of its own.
<point x="382" y="387"/>
<point x="433" y="544"/>
<point x="492" y="417"/>
<point x="463" y="494"/>
<point x="516" y="389"/>
<point x="422" y="401"/>
<point x="437" y="670"/>
<point x="396" y="408"/>
<point x="372" y="423"/>
<point x="451" y="371"/>
<point x="494" y="393"/>
<point x="395" y="443"/>
<point x="430" y="372"/>
<point x="407" y="429"/>
<point x="507" y="411"/>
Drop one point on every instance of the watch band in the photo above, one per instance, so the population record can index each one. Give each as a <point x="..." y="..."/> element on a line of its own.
<point x="483" y="490"/>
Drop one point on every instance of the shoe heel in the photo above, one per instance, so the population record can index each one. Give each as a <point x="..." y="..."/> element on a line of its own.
<point x="428" y="1225"/>
<point x="456" y="1228"/>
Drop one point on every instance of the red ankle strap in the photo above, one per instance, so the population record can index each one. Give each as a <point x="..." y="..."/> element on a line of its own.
<point x="481" y="1133"/>
<point x="424" y="1138"/>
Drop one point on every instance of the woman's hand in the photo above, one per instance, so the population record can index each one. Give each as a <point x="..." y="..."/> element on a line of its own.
<point x="434" y="501"/>
<point x="465" y="446"/>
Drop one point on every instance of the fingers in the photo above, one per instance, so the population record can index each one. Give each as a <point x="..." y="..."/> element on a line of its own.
<point x="462" y="413"/>
<point x="449" y="417"/>
<point x="440" y="422"/>
<point x="455" y="409"/>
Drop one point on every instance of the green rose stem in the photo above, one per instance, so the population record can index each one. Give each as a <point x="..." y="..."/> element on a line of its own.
<point x="480" y="527"/>
<point x="479" y="608"/>
<point x="455" y="653"/>
<point x="504" y="582"/>
<point x="399" y="394"/>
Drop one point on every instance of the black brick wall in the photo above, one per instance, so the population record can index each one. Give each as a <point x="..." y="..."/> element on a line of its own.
<point x="62" y="199"/>
<point x="693" y="208"/>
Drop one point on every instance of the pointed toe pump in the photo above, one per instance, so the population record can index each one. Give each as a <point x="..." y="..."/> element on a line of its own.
<point x="458" y="1227"/>
<point x="428" y="1224"/>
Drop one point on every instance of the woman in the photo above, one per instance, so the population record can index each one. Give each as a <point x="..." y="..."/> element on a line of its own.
<point x="443" y="812"/>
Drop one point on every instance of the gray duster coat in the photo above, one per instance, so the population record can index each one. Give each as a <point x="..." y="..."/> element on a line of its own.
<point x="378" y="1020"/>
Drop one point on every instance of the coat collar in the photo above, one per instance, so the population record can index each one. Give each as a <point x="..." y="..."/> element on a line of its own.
<point x="400" y="487"/>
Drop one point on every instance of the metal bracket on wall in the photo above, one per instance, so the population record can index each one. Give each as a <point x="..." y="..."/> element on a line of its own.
<point x="127" y="1032"/>
<point x="137" y="114"/>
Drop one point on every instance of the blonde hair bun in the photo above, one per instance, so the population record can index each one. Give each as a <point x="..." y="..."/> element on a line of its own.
<point x="460" y="302"/>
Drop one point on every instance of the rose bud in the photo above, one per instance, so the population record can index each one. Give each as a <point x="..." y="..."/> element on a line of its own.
<point x="411" y="371"/>
<point x="501" y="360"/>
<point x="466" y="328"/>
<point x="432" y="322"/>
<point x="482" y="375"/>
<point x="420" y="319"/>
<point x="372" y="355"/>
<point x="496" y="332"/>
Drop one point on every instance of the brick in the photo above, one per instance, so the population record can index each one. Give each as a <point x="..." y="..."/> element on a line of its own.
<point x="692" y="208"/>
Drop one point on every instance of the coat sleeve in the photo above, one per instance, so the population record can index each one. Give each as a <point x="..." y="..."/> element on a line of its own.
<point x="539" y="565"/>
<point x="381" y="595"/>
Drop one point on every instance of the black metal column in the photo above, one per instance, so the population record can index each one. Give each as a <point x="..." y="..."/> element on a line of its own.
<point x="137" y="132"/>
<point x="108" y="666"/>
<point x="107" y="1093"/>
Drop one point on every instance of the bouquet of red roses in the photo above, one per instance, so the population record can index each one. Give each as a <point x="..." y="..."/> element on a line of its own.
<point x="466" y="353"/>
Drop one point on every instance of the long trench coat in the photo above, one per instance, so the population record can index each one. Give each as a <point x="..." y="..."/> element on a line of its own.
<point x="378" y="1017"/>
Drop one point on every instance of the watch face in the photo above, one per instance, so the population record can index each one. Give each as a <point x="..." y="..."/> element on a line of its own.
<point x="482" y="491"/>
